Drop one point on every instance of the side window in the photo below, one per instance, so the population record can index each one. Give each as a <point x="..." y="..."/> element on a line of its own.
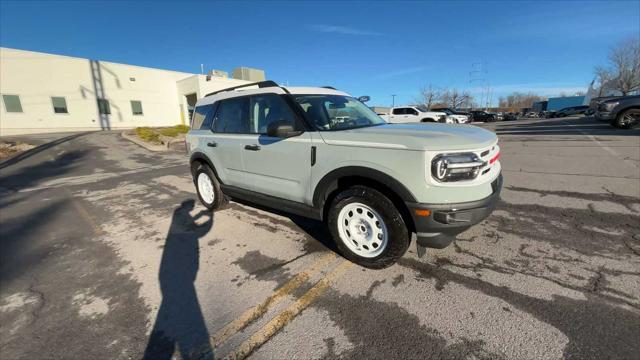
<point x="59" y="105"/>
<point x="200" y="115"/>
<point x="103" y="106"/>
<point x="136" y="107"/>
<point x="203" y="116"/>
<point x="232" y="116"/>
<point x="398" y="111"/>
<point x="266" y="109"/>
<point x="12" y="103"/>
<point x="412" y="111"/>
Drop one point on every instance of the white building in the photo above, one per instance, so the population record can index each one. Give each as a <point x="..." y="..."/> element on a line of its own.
<point x="52" y="93"/>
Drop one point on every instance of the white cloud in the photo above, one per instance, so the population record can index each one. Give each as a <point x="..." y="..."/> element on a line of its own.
<point x="326" y="28"/>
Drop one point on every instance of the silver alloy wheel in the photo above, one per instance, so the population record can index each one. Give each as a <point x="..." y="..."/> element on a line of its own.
<point x="205" y="188"/>
<point x="630" y="116"/>
<point x="362" y="230"/>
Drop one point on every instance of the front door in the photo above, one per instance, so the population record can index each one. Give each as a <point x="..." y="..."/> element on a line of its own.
<point x="412" y="115"/>
<point x="277" y="167"/>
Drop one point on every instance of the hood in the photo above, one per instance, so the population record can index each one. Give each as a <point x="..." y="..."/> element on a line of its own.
<point x="418" y="136"/>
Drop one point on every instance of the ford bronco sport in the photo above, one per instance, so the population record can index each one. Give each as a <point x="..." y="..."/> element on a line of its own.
<point x="320" y="153"/>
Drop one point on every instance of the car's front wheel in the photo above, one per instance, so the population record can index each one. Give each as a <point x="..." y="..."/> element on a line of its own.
<point x="628" y="119"/>
<point x="367" y="227"/>
<point x="208" y="187"/>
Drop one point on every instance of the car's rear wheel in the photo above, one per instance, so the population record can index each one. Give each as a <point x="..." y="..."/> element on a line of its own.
<point x="628" y="119"/>
<point x="208" y="187"/>
<point x="367" y="227"/>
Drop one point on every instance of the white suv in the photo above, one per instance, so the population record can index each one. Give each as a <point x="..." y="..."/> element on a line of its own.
<point x="321" y="153"/>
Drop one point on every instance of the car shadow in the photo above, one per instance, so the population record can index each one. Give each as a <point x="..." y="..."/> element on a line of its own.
<point x="180" y="322"/>
<point x="318" y="236"/>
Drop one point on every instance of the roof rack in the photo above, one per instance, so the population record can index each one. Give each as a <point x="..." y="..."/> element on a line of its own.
<point x="329" y="87"/>
<point x="260" y="84"/>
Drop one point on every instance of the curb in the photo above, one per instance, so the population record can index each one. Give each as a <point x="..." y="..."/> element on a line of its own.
<point x="133" y="139"/>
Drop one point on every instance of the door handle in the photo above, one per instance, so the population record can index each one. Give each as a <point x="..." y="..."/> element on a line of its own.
<point x="212" y="144"/>
<point x="252" y="147"/>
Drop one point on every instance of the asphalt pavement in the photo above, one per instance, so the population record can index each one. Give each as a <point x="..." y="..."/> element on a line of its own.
<point x="105" y="253"/>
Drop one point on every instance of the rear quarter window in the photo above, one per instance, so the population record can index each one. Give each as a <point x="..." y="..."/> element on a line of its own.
<point x="203" y="116"/>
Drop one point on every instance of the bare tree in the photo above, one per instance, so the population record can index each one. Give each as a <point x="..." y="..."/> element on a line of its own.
<point x="520" y="100"/>
<point x="603" y="77"/>
<point x="623" y="74"/>
<point x="453" y="98"/>
<point x="429" y="96"/>
<point x="626" y="61"/>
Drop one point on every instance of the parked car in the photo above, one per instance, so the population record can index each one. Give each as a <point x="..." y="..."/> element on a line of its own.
<point x="409" y="114"/>
<point x="621" y="112"/>
<point x="460" y="117"/>
<point x="320" y="153"/>
<point x="479" y="115"/>
<point x="509" y="116"/>
<point x="572" y="110"/>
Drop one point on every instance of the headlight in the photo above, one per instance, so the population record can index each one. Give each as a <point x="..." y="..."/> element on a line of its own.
<point x="456" y="167"/>
<point x="610" y="105"/>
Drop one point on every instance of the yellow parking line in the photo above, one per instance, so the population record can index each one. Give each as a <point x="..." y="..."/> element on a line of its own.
<point x="257" y="311"/>
<point x="277" y="323"/>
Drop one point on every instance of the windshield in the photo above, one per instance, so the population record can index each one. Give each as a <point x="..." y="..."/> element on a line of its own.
<point x="337" y="112"/>
<point x="446" y="111"/>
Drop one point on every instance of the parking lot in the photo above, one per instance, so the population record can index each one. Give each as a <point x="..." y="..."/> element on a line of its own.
<point x="102" y="245"/>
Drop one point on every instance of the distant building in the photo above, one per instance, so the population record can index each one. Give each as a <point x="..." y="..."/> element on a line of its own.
<point x="539" y="106"/>
<point x="52" y="93"/>
<point x="558" y="103"/>
<point x="248" y="74"/>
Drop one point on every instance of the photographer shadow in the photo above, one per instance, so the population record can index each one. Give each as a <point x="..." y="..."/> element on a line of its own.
<point x="180" y="321"/>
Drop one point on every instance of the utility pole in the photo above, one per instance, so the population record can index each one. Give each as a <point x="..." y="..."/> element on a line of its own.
<point x="202" y="69"/>
<point x="393" y="100"/>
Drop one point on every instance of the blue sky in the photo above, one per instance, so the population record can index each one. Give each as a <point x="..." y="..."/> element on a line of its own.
<point x="365" y="48"/>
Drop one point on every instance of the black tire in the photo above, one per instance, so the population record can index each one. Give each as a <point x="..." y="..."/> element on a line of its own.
<point x="219" y="199"/>
<point x="427" y="120"/>
<point x="398" y="239"/>
<point x="627" y="119"/>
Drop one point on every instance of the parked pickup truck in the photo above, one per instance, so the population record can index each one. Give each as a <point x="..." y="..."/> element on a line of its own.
<point x="320" y="153"/>
<point x="413" y="114"/>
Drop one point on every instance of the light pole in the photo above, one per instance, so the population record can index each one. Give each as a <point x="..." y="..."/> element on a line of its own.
<point x="393" y="100"/>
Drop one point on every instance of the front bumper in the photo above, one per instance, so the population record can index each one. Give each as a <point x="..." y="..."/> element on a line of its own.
<point x="445" y="221"/>
<point x="603" y="115"/>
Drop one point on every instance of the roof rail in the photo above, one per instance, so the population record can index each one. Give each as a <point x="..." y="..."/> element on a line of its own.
<point x="260" y="84"/>
<point x="329" y="87"/>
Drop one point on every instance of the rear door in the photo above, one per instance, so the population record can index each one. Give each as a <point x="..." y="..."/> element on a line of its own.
<point x="398" y="115"/>
<point x="276" y="166"/>
<point x="226" y="143"/>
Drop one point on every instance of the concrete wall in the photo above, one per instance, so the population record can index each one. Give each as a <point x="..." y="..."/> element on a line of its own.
<point x="36" y="77"/>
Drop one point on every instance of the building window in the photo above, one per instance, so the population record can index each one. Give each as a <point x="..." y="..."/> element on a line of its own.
<point x="136" y="107"/>
<point x="12" y="103"/>
<point x="103" y="107"/>
<point x="59" y="105"/>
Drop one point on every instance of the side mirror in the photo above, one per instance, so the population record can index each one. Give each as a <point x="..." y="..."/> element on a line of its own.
<point x="364" y="99"/>
<point x="282" y="129"/>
